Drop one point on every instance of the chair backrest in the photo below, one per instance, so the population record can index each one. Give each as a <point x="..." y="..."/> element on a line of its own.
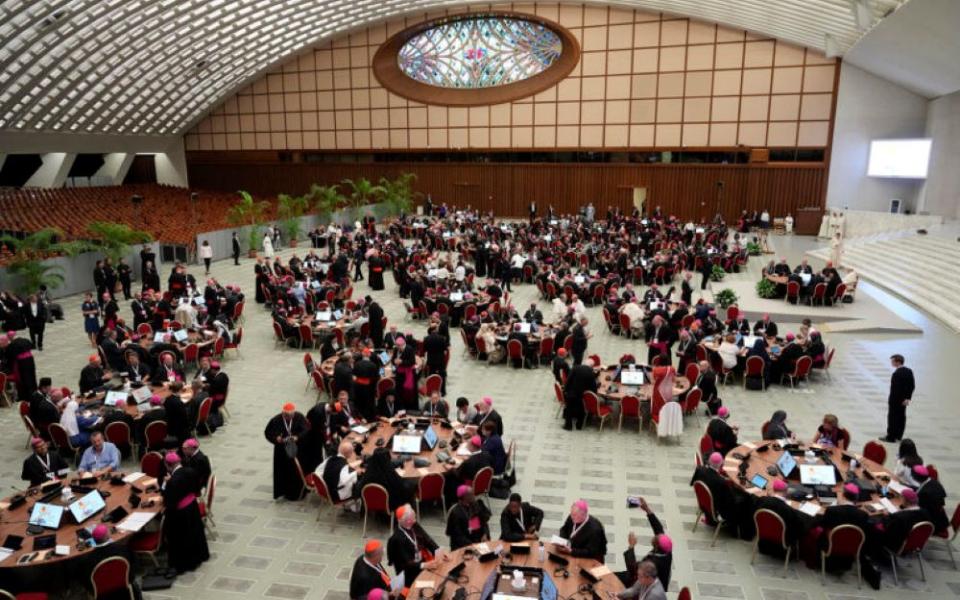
<point x="150" y="464"/>
<point x="23" y="407"/>
<point x="308" y="363"/>
<point x="845" y="541"/>
<point x="630" y="406"/>
<point x="840" y="292"/>
<point x="820" y="290"/>
<point x="770" y="527"/>
<point x="591" y="403"/>
<point x="118" y="433"/>
<point x="624" y="321"/>
<point x="559" y="393"/>
<point x="826" y="364"/>
<point x="755" y="367"/>
<point x="706" y="444"/>
<point x="481" y="481"/>
<point x="433" y="383"/>
<point x="697" y="459"/>
<point x="155" y="433"/>
<point x="306" y="333"/>
<point x="481" y="345"/>
<point x="111" y="576"/>
<point x="375" y="497"/>
<point x="803" y="366"/>
<point x="515" y="349"/>
<point x="843" y="439"/>
<point x="277" y="331"/>
<point x="875" y="451"/>
<point x="692" y="401"/>
<point x="704" y="499"/>
<point x="59" y="436"/>
<point x="320" y="487"/>
<point x="211" y="491"/>
<point x="763" y="430"/>
<point x="955" y="519"/>
<point x="732" y="311"/>
<point x="469" y="311"/>
<point x="934" y="473"/>
<point x="692" y="372"/>
<point x="546" y="347"/>
<point x="917" y="538"/>
<point x="385" y="385"/>
<point x="191" y="352"/>
<point x="793" y="289"/>
<point x="144" y="329"/>
<point x="430" y="487"/>
<point x="238" y="337"/>
<point x="203" y="413"/>
<point x="684" y="591"/>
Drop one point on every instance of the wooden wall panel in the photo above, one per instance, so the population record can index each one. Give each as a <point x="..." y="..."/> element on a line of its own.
<point x="686" y="190"/>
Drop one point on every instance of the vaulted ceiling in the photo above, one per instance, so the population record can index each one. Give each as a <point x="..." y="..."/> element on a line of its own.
<point x="153" y="67"/>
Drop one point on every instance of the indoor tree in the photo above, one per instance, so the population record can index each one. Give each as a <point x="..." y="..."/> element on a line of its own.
<point x="325" y="199"/>
<point x="290" y="209"/>
<point x="114" y="239"/>
<point x="28" y="254"/>
<point x="248" y="212"/>
<point x="398" y="195"/>
<point x="362" y="192"/>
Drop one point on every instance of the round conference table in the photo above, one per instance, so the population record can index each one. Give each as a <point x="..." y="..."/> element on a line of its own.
<point x="16" y="576"/>
<point x="327" y="366"/>
<point x="475" y="574"/>
<point x="761" y="458"/>
<point x="409" y="470"/>
<point x="644" y="393"/>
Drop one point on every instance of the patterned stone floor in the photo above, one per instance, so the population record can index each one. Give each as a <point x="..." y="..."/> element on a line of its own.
<point x="278" y="550"/>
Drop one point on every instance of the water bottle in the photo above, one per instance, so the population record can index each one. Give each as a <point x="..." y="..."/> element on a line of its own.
<point x="542" y="553"/>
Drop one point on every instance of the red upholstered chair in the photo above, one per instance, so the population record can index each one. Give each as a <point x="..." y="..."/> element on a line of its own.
<point x="692" y="402"/>
<point x="755" y="368"/>
<point x="118" y="434"/>
<point x="732" y="311"/>
<point x="913" y="545"/>
<point x="481" y="482"/>
<point x="481" y="348"/>
<point x="515" y="352"/>
<point x="150" y="464"/>
<point x="148" y="542"/>
<point x="320" y="489"/>
<point x="278" y="334"/>
<point x="763" y="430"/>
<point x="705" y="508"/>
<point x="238" y="312"/>
<point x="32" y="431"/>
<point x="771" y="529"/>
<point x="838" y="295"/>
<point x="793" y="292"/>
<point x="5" y="595"/>
<point x="697" y="459"/>
<point x="203" y="413"/>
<point x="561" y="400"/>
<point x="61" y="439"/>
<point x="546" y="349"/>
<point x="845" y="541"/>
<point x="206" y="504"/>
<point x="384" y="385"/>
<point x="625" y="326"/>
<point x="684" y="594"/>
<point x="692" y="372"/>
<point x="155" y="434"/>
<point x="469" y="312"/>
<point x="934" y="473"/>
<point x="430" y="488"/>
<point x="191" y="355"/>
<point x="306" y="336"/>
<point x="4" y="398"/>
<point x="432" y="384"/>
<point x="706" y="445"/>
<point x="819" y="293"/>
<point x="950" y="533"/>
<point x="568" y="344"/>
<point x="875" y="451"/>
<point x="235" y="344"/>
<point x="375" y="499"/>
<point x="110" y="578"/>
<point x="800" y="370"/>
<point x="591" y="403"/>
<point x="630" y="407"/>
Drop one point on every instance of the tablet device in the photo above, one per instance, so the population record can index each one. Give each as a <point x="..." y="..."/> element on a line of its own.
<point x="759" y="480"/>
<point x="818" y="475"/>
<point x="44" y="542"/>
<point x="430" y="437"/>
<point x="524" y="327"/>
<point x="406" y="444"/>
<point x="46" y="515"/>
<point x="323" y="315"/>
<point x="631" y="377"/>
<point x="13" y="542"/>
<point x="337" y="315"/>
<point x="786" y="463"/>
<point x="158" y="337"/>
<point x="111" y="398"/>
<point x="385" y="357"/>
<point x="87" y="506"/>
<point x="180" y="335"/>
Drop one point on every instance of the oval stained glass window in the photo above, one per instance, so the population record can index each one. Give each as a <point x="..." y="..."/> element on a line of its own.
<point x="479" y="52"/>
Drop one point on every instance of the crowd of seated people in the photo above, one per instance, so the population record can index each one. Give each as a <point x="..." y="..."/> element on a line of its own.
<point x="801" y="284"/>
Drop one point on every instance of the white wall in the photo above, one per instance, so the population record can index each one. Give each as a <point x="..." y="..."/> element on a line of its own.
<point x="868" y="108"/>
<point x="941" y="194"/>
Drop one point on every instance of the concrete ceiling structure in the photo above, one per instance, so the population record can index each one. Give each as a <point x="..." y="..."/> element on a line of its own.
<point x="154" y="67"/>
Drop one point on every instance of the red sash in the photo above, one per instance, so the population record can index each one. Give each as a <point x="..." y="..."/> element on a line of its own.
<point x="185" y="502"/>
<point x="24" y="355"/>
<point x="363" y="380"/>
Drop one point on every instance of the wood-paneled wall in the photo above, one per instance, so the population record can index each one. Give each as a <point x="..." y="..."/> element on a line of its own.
<point x="685" y="190"/>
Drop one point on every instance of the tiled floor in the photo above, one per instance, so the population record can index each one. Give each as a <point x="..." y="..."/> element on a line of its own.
<point x="276" y="549"/>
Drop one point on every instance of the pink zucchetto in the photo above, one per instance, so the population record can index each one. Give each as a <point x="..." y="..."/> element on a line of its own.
<point x="716" y="459"/>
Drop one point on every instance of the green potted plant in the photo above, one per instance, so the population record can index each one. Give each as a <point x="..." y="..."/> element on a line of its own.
<point x="725" y="297"/>
<point x="766" y="288"/>
<point x="290" y="209"/>
<point x="717" y="273"/>
<point x="398" y="195"/>
<point x="362" y="192"/>
<point x="28" y="254"/>
<point x="115" y="239"/>
<point x="325" y="199"/>
<point x="753" y="249"/>
<point x="248" y="212"/>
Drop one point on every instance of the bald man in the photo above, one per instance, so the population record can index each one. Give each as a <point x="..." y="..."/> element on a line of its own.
<point x="584" y="532"/>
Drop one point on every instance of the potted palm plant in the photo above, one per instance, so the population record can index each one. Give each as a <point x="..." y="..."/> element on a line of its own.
<point x="115" y="239"/>
<point x="398" y="196"/>
<point x="248" y="212"/>
<point x="290" y="209"/>
<point x="362" y="192"/>
<point x="324" y="199"/>
<point x="28" y="253"/>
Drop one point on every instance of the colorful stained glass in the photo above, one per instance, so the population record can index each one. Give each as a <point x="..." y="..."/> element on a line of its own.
<point x="479" y="52"/>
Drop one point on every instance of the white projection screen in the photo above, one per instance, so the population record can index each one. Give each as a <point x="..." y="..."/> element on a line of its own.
<point x="906" y="159"/>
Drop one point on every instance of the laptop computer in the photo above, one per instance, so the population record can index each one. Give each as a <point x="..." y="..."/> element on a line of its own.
<point x="86" y="507"/>
<point x="629" y="377"/>
<point x="430" y="437"/>
<point x="818" y="475"/>
<point x="787" y="464"/>
<point x="46" y="515"/>
<point x="406" y="444"/>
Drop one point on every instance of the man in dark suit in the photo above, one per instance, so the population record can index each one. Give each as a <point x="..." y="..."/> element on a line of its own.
<point x="897" y="526"/>
<point x="35" y="315"/>
<point x="533" y="315"/>
<point x="235" y="246"/>
<point x="455" y="477"/>
<point x="582" y="378"/>
<point x="43" y="411"/>
<point x="435" y="346"/>
<point x="580" y="337"/>
<point x="519" y="520"/>
<point x="410" y="548"/>
<point x="901" y="392"/>
<point x="43" y="466"/>
<point x="686" y="295"/>
<point x="931" y="497"/>
<point x="585" y="534"/>
<point x="739" y="325"/>
<point x="560" y="365"/>
<point x="765" y="327"/>
<point x="659" y="337"/>
<point x="660" y="554"/>
<point x="719" y="486"/>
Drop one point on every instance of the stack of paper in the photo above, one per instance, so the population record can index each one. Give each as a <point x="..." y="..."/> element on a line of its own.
<point x="809" y="508"/>
<point x="135" y="521"/>
<point x="890" y="507"/>
<point x="133" y="477"/>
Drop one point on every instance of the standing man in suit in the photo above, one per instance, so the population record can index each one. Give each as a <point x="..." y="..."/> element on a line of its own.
<point x="235" y="244"/>
<point x="35" y="314"/>
<point x="901" y="392"/>
<point x="533" y="211"/>
<point x="686" y="289"/>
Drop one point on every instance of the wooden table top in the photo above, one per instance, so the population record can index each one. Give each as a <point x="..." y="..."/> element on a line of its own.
<point x="326" y="367"/>
<point x="408" y="471"/>
<point x="15" y="521"/>
<point x="644" y="392"/>
<point x="759" y="462"/>
<point x="475" y="574"/>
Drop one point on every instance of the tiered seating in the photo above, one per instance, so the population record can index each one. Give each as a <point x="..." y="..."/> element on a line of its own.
<point x="166" y="212"/>
<point x="924" y="270"/>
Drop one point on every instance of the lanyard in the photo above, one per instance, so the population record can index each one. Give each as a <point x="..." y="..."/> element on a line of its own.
<point x="412" y="538"/>
<point x="520" y="520"/>
<point x="46" y="463"/>
<point x="577" y="528"/>
<point x="288" y="426"/>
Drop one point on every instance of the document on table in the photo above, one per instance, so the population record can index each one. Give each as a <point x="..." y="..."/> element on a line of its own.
<point x="423" y="583"/>
<point x="63" y="550"/>
<point x="600" y="571"/>
<point x="890" y="507"/>
<point x="897" y="487"/>
<point x="5" y="553"/>
<point x="559" y="541"/>
<point x="463" y="450"/>
<point x="136" y="521"/>
<point x="809" y="508"/>
<point x="133" y="477"/>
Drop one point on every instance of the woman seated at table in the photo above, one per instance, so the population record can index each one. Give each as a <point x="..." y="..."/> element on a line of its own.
<point x="380" y="470"/>
<point x="729" y="352"/>
<point x="78" y="426"/>
<point x="816" y="349"/>
<point x="830" y="434"/>
<point x="495" y="352"/>
<point x="907" y="459"/>
<point x="776" y="428"/>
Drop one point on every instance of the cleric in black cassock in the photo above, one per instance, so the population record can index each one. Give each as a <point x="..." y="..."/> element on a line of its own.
<point x="18" y="361"/>
<point x="375" y="275"/>
<point x="288" y="425"/>
<point x="366" y="376"/>
<point x="182" y="524"/>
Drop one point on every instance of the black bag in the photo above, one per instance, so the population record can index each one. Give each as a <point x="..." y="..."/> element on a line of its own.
<point x="290" y="447"/>
<point x="753" y="383"/>
<point x="500" y="489"/>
